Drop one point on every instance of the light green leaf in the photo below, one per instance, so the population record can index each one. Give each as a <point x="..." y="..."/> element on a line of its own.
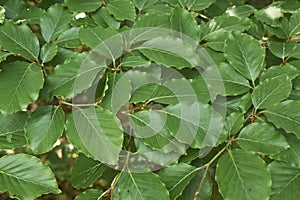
<point x="86" y="171"/>
<point x="278" y="71"/>
<point x="48" y="51"/>
<point x="44" y="127"/>
<point x="292" y="155"/>
<point x="282" y="49"/>
<point x="262" y="138"/>
<point x="271" y="91"/>
<point x="243" y="175"/>
<point x="285" y="115"/>
<point x="269" y="15"/>
<point x="135" y="61"/>
<point x="91" y="194"/>
<point x="234" y="122"/>
<point x="240" y="10"/>
<point x="234" y="83"/>
<point x="141" y="186"/>
<point x="83" y="5"/>
<point x="177" y="177"/>
<point x="100" y="133"/>
<point x="74" y="76"/>
<point x="2" y="15"/>
<point x="121" y="9"/>
<point x="104" y="41"/>
<point x="24" y="80"/>
<point x="19" y="39"/>
<point x="245" y="54"/>
<point x="16" y="170"/>
<point x="183" y="22"/>
<point x="69" y="38"/>
<point x="12" y="130"/>
<point x="55" y="22"/>
<point x="285" y="181"/>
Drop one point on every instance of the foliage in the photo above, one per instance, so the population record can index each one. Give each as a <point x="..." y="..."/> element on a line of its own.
<point x="150" y="99"/>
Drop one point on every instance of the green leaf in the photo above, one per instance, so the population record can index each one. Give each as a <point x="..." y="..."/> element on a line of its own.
<point x="103" y="18"/>
<point x="118" y="92"/>
<point x="234" y="123"/>
<point x="19" y="39"/>
<point x="216" y="31"/>
<point x="31" y="15"/>
<point x="173" y="91"/>
<point x="152" y="156"/>
<point x="121" y="9"/>
<point x="262" y="138"/>
<point x="153" y="20"/>
<point x="12" y="130"/>
<point x="192" y="187"/>
<point x="245" y="54"/>
<point x="69" y="38"/>
<point x="13" y="8"/>
<point x="271" y="91"/>
<point x="104" y="41"/>
<point x="177" y="177"/>
<point x="282" y="49"/>
<point x="286" y="180"/>
<point x="143" y="4"/>
<point x="294" y="24"/>
<point x="285" y="115"/>
<point x="48" y="51"/>
<point x="73" y="136"/>
<point x="279" y="71"/>
<point x="86" y="171"/>
<point x="141" y="186"/>
<point x="44" y="127"/>
<point x="22" y="90"/>
<point x="243" y="175"/>
<point x="4" y="55"/>
<point x="292" y="155"/>
<point x="135" y="61"/>
<point x="16" y="170"/>
<point x="54" y="22"/>
<point x="197" y="5"/>
<point x="73" y="76"/>
<point x="83" y="5"/>
<point x="171" y="52"/>
<point x="91" y="194"/>
<point x="100" y="133"/>
<point x="2" y="15"/>
<point x="183" y="22"/>
<point x="150" y="127"/>
<point x="234" y="83"/>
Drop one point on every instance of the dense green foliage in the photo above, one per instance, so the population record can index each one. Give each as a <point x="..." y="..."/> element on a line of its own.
<point x="150" y="99"/>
